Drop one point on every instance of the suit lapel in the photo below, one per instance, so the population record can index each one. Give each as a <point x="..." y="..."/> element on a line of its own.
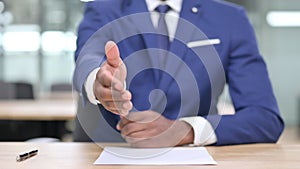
<point x="143" y="23"/>
<point x="139" y="15"/>
<point x="184" y="34"/>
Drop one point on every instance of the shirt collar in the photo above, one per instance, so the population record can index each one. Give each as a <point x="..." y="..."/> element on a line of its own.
<point x="174" y="4"/>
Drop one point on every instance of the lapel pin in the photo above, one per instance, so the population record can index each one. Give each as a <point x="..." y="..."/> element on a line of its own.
<point x="194" y="9"/>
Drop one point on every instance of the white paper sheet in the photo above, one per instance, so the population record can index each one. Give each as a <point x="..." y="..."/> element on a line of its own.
<point x="154" y="156"/>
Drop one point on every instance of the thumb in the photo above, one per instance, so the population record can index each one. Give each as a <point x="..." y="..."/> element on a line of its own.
<point x="112" y="54"/>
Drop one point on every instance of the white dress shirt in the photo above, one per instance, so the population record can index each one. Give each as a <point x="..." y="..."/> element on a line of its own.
<point x="172" y="16"/>
<point x="203" y="131"/>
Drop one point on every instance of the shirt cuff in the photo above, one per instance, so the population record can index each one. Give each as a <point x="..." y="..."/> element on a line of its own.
<point x="89" y="86"/>
<point x="204" y="133"/>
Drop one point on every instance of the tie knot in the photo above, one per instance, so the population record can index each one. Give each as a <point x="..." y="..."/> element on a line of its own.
<point x="162" y="8"/>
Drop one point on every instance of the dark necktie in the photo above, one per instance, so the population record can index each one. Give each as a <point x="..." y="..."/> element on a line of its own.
<point x="162" y="29"/>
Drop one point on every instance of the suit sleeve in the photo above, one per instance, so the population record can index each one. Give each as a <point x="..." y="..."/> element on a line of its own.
<point x="257" y="118"/>
<point x="90" y="43"/>
<point x="90" y="23"/>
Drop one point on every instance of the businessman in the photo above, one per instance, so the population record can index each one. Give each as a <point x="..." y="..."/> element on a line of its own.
<point x="183" y="114"/>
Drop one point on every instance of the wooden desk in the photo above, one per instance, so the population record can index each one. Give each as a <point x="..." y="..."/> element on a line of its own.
<point x="44" y="109"/>
<point x="82" y="156"/>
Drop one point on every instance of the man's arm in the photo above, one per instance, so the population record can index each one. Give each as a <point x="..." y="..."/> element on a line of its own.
<point x="90" y="51"/>
<point x="257" y="117"/>
<point x="87" y="61"/>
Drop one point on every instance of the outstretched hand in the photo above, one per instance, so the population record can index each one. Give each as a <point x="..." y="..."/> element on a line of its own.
<point x="109" y="84"/>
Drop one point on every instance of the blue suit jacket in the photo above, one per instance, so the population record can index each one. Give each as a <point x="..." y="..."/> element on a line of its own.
<point x="257" y="117"/>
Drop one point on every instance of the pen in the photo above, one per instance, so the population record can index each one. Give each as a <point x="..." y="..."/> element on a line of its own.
<point x="24" y="156"/>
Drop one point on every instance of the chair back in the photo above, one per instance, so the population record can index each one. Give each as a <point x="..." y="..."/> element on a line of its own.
<point x="7" y="91"/>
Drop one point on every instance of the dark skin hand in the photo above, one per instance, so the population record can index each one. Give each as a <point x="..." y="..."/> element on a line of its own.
<point x="149" y="129"/>
<point x="109" y="83"/>
<point x="140" y="129"/>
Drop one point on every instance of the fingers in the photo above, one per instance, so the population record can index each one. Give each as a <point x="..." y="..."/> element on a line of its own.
<point x="113" y="100"/>
<point x="144" y="117"/>
<point x="138" y="131"/>
<point x="113" y="54"/>
<point x="123" y="122"/>
<point x="140" y="136"/>
<point x="133" y="129"/>
<point x="150" y="129"/>
<point x="134" y="117"/>
<point x="108" y="93"/>
<point x="134" y="132"/>
<point x="106" y="79"/>
<point x="109" y="83"/>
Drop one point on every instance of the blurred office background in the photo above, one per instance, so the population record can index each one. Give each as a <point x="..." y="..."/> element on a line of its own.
<point x="37" y="41"/>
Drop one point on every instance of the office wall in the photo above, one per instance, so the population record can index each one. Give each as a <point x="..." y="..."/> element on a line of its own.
<point x="42" y="68"/>
<point x="280" y="46"/>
